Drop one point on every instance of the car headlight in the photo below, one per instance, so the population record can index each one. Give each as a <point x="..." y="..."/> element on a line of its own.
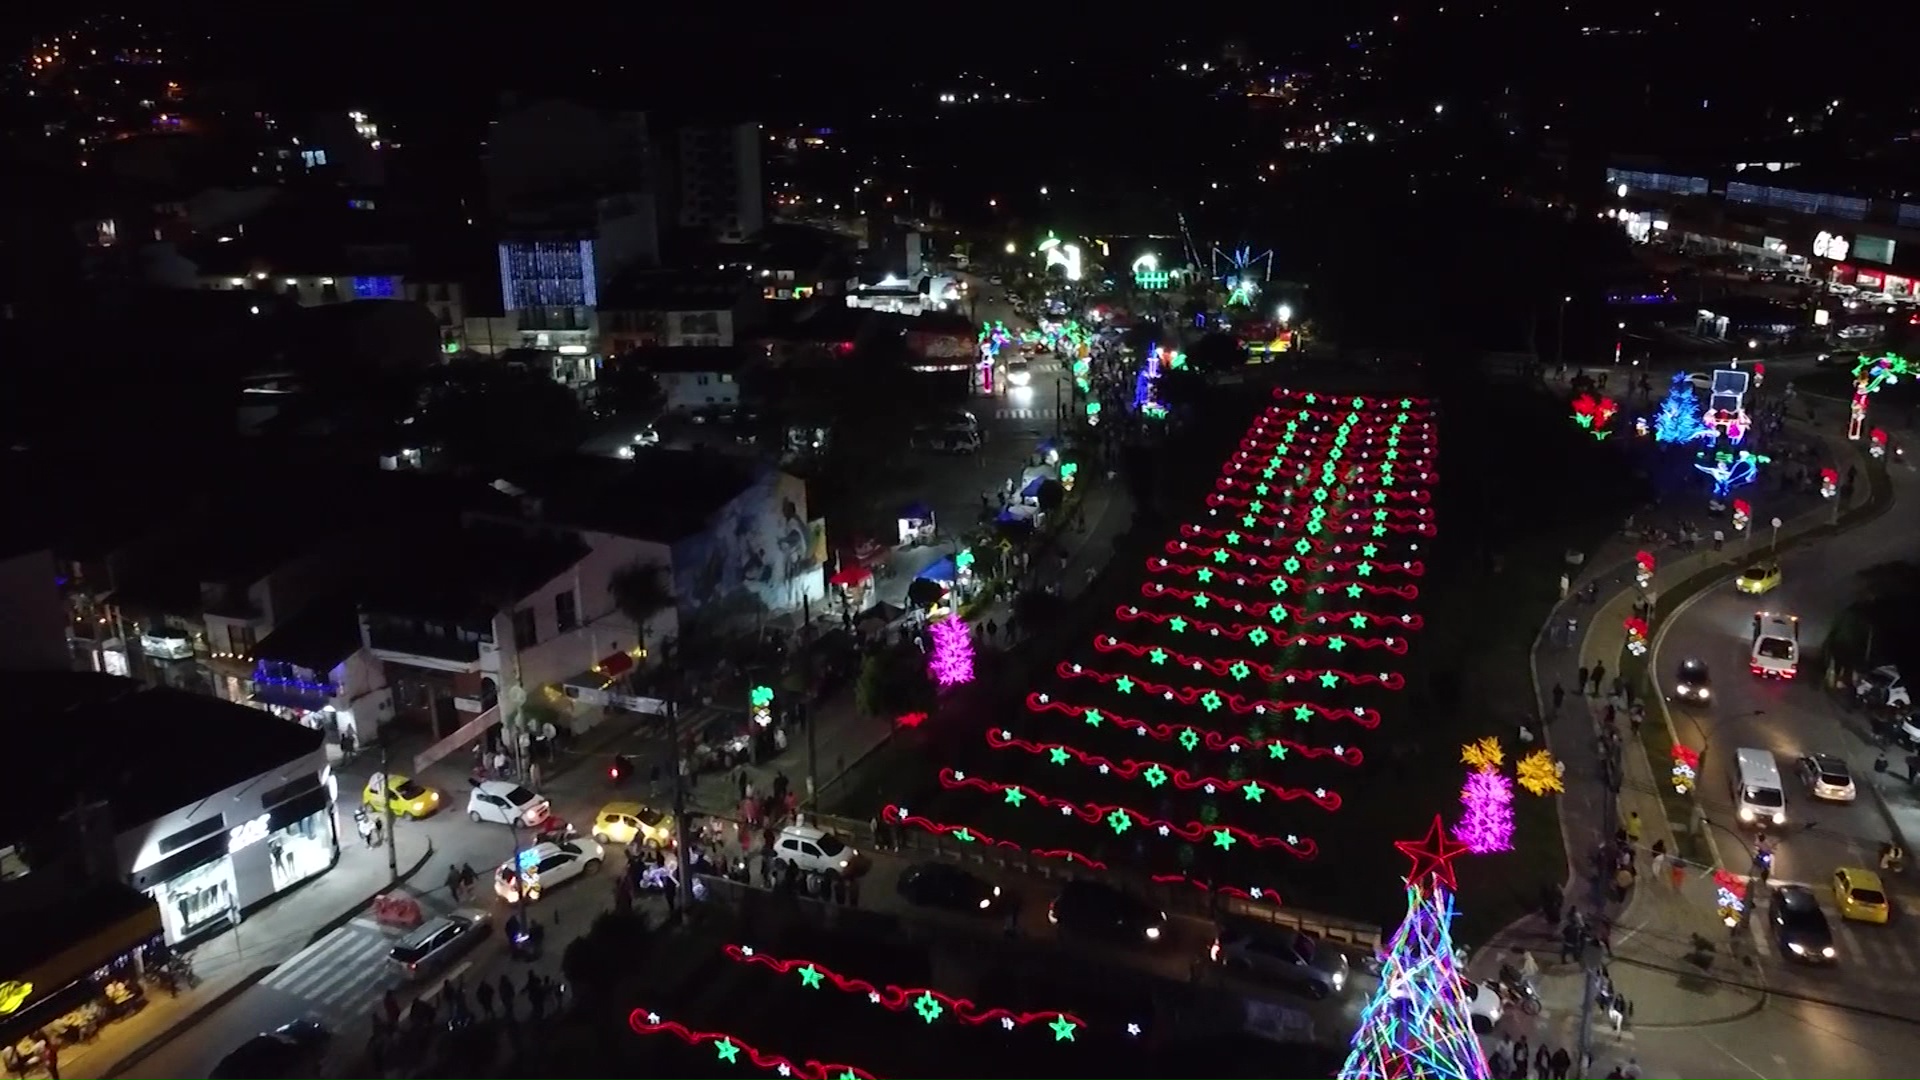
<point x="996" y="890"/>
<point x="1339" y="980"/>
<point x="1746" y="813"/>
<point x="1827" y="952"/>
<point x="419" y="806"/>
<point x="985" y="904"/>
<point x="1798" y="949"/>
<point x="1780" y="818"/>
<point x="1153" y="933"/>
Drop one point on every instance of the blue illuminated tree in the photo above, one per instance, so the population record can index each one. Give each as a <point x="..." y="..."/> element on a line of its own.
<point x="1678" y="420"/>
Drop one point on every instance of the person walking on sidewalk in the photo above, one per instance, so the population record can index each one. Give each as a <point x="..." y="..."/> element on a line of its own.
<point x="1559" y="695"/>
<point x="506" y="996"/>
<point x="1581" y="677"/>
<point x="1542" y="1062"/>
<point x="1562" y="1062"/>
<point x="1599" y="674"/>
<point x="1633" y="827"/>
<point x="484" y="995"/>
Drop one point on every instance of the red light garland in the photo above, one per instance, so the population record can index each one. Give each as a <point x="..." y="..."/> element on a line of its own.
<point x="1181" y="779"/>
<point x="729" y="1049"/>
<point x="1287" y="584"/>
<point x="927" y="1004"/>
<point x="1190" y="737"/>
<point x="1213" y="629"/>
<point x="1227" y="666"/>
<point x="1328" y="678"/>
<point x="1202" y="600"/>
<point x="896" y="815"/>
<point x="1121" y="818"/>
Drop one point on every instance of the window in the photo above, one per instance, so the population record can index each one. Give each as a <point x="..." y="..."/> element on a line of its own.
<point x="525" y="628"/>
<point x="566" y="615"/>
<point x="194" y="833"/>
<point x="330" y="293"/>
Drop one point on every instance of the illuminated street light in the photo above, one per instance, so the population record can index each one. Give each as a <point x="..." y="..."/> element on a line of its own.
<point x="1011" y="248"/>
<point x="1285" y="313"/>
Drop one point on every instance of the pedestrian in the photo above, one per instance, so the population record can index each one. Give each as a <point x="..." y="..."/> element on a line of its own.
<point x="1607" y="718"/>
<point x="1603" y="934"/>
<point x="993" y="629"/>
<point x="379" y="832"/>
<point x="1633" y="827"/>
<point x="506" y="996"/>
<point x="537" y="995"/>
<point x="365" y="828"/>
<point x="1573" y="629"/>
<point x="1559" y="695"/>
<point x="1599" y="673"/>
<point x="1562" y="1062"/>
<point x="1631" y="1070"/>
<point x="484" y="995"/>
<point x="533" y="775"/>
<point x="1719" y="539"/>
<point x="1552" y="903"/>
<point x="1572" y="937"/>
<point x="391" y="1006"/>
<point x="1622" y="882"/>
<point x="1659" y="858"/>
<point x="1637" y="716"/>
<point x="1497" y="1064"/>
<point x="740" y="778"/>
<point x="1542" y="1062"/>
<point x="1581" y="678"/>
<point x="1522" y="1060"/>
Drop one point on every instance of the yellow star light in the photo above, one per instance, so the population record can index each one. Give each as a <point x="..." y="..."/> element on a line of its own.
<point x="1483" y="754"/>
<point x="1538" y="773"/>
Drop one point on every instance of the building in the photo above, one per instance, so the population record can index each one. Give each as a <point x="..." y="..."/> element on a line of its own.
<point x="1773" y="214"/>
<point x="140" y="802"/>
<point x="33" y="637"/>
<point x="695" y="377"/>
<point x="314" y="669"/>
<point x="677" y="309"/>
<point x="715" y="181"/>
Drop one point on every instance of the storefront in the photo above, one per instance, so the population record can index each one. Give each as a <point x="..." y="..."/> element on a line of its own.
<point x="212" y="871"/>
<point x="78" y="972"/>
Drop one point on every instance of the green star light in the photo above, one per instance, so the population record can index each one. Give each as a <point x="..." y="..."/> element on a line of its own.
<point x="1224" y="840"/>
<point x="1015" y="796"/>
<point x="729" y="1051"/>
<point x="928" y="1007"/>
<point x="1124" y="684"/>
<point x="1204" y="575"/>
<point x="1201" y="600"/>
<point x="1358" y="621"/>
<point x="1154" y="776"/>
<point x="1253" y="791"/>
<point x="1189" y="739"/>
<point x="810" y="977"/>
<point x="1119" y="821"/>
<point x="1093" y="717"/>
<point x="1177" y="624"/>
<point x="1258" y="635"/>
<point x="1303" y="712"/>
<point x="1210" y="701"/>
<point x="1353" y="592"/>
<point x="1329" y="680"/>
<point x="1062" y="1028"/>
<point x="1233" y="538"/>
<point x="1276" y="750"/>
<point x="1240" y="670"/>
<point x="1059" y="755"/>
<point x="1158" y="656"/>
<point x="1337" y="643"/>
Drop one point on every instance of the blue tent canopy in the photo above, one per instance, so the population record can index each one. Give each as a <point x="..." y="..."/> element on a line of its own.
<point x="917" y="512"/>
<point x="941" y="569"/>
<point x="1032" y="490"/>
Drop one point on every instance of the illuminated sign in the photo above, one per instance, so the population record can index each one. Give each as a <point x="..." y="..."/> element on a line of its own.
<point x="246" y="834"/>
<point x="1828" y="245"/>
<point x="14" y="994"/>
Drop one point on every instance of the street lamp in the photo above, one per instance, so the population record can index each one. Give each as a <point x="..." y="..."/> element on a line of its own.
<point x="1774" y="544"/>
<point x="1012" y="248"/>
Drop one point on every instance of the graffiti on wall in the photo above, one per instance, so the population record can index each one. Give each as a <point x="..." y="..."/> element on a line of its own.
<point x="759" y="552"/>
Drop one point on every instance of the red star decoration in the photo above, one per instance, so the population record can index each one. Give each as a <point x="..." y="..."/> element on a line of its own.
<point x="912" y="719"/>
<point x="1432" y="855"/>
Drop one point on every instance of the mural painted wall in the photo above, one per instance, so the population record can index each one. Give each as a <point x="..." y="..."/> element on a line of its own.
<point x="759" y="554"/>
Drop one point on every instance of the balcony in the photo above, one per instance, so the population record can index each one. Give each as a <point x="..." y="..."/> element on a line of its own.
<point x="437" y="648"/>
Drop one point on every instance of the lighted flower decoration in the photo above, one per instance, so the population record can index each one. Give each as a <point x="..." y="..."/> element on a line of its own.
<point x="1594" y="414"/>
<point x="1636" y="635"/>
<point x="1483" y="754"/>
<point x="1538" y="773"/>
<point x="1644" y="565"/>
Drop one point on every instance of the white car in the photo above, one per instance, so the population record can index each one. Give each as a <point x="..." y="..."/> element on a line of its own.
<point x="504" y="802"/>
<point x="815" y="850"/>
<point x="1882" y="686"/>
<point x="547" y="866"/>
<point x="647" y="436"/>
<point x="1776" y="645"/>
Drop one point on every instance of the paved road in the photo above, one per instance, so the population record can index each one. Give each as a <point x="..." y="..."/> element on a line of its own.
<point x="1878" y="964"/>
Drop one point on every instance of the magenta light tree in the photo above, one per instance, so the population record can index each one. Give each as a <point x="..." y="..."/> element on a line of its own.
<point x="1486" y="826"/>
<point x="952" y="660"/>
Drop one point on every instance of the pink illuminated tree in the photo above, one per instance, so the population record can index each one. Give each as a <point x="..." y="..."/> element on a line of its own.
<point x="952" y="660"/>
<point x="1487" y="824"/>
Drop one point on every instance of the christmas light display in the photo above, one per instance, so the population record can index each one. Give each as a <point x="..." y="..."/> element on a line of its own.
<point x="1678" y="420"/>
<point x="1594" y="414"/>
<point x="1643" y="567"/>
<point x="1483" y="754"/>
<point x="1730" y="897"/>
<point x="1877" y="443"/>
<point x="1539" y="773"/>
<point x="1742" y="515"/>
<point x="899" y="815"/>
<point x="1486" y="825"/>
<point x="1211" y="699"/>
<point x="1191" y="738"/>
<point x="1156" y="774"/>
<point x="1121" y="819"/>
<point x="1732" y="469"/>
<point x="1636" y="635"/>
<point x="760" y="703"/>
<point x="928" y="1005"/>
<point x="1829" y="483"/>
<point x="1870" y="375"/>
<point x="728" y="1050"/>
<point x="1418" y="1023"/>
<point x="910" y="720"/>
<point x="1686" y="767"/>
<point x="951" y="662"/>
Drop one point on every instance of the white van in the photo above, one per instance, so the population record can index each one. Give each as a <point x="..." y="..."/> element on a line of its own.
<point x="1758" y="795"/>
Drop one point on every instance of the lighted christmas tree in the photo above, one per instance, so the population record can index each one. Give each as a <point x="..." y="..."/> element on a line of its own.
<point x="952" y="661"/>
<point x="1417" y="1024"/>
<point x="1678" y="420"/>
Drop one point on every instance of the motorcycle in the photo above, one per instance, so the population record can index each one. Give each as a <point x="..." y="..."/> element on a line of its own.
<point x="555" y="830"/>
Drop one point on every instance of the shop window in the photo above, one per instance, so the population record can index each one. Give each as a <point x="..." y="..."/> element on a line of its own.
<point x="525" y="628"/>
<point x="566" y="615"/>
<point x="301" y="850"/>
<point x="198" y="897"/>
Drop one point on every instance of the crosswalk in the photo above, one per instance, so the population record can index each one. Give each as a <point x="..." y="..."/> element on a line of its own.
<point x="1863" y="946"/>
<point x="343" y="973"/>
<point x="1021" y="414"/>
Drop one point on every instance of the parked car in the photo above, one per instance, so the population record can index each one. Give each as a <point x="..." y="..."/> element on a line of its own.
<point x="1827" y="777"/>
<point x="1799" y="926"/>
<point x="1882" y="686"/>
<point x="504" y="802"/>
<point x="408" y="798"/>
<point x="816" y="850"/>
<point x="1759" y="578"/>
<point x="1091" y="909"/>
<point x="620" y="823"/>
<point x="1293" y="959"/>
<point x="944" y="885"/>
<point x="435" y="944"/>
<point x="290" y="1050"/>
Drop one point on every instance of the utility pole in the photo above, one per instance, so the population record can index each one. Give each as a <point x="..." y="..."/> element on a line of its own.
<point x="683" y="876"/>
<point x="386" y="810"/>
<point x="1560" y="334"/>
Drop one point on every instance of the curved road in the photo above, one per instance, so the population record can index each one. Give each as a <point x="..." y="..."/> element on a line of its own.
<point x="1878" y="965"/>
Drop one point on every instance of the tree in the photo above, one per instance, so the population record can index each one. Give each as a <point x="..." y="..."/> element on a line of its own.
<point x="951" y="662"/>
<point x="1050" y="495"/>
<point x="640" y="591"/>
<point x="1679" y="416"/>
<point x="596" y="961"/>
<point x="1417" y="1023"/>
<point x="891" y="682"/>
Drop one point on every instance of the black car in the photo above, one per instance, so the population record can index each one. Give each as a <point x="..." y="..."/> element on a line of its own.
<point x="1691" y="682"/>
<point x="290" y="1050"/>
<point x="1800" y="927"/>
<point x="943" y="885"/>
<point x="1102" y="911"/>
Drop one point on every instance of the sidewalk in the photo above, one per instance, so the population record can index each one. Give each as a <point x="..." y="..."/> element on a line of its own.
<point x="230" y="963"/>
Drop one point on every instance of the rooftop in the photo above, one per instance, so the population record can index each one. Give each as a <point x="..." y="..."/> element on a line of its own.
<point x="471" y="572"/>
<point x="123" y="759"/>
<point x="828" y="323"/>
<point x="318" y="638"/>
<point x="660" y="495"/>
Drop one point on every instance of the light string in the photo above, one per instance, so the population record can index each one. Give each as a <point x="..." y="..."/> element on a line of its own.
<point x="1191" y="737"/>
<point x="1122" y="818"/>
<point x="1159" y="773"/>
<point x="729" y="1049"/>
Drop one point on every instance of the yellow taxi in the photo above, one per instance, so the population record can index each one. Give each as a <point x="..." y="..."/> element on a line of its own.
<point x="1859" y="895"/>
<point x="622" y="822"/>
<point x="407" y="798"/>
<point x="1758" y="578"/>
